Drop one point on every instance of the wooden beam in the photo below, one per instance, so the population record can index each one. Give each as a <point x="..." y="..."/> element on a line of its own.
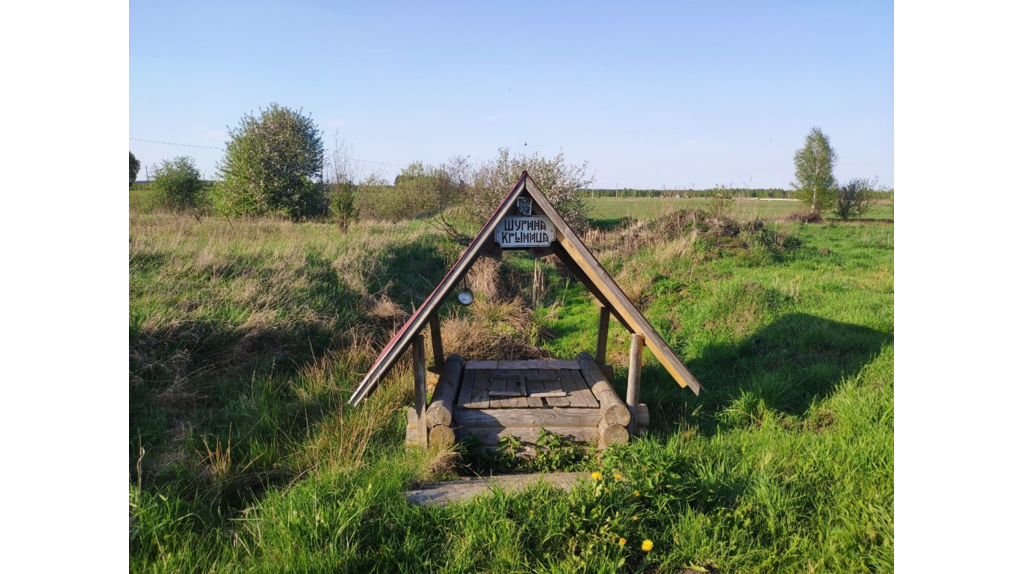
<point x="613" y="410"/>
<point x="419" y="372"/>
<point x="442" y="404"/>
<point x="602" y="336"/>
<point x="636" y="353"/>
<point x="491" y="436"/>
<point x="549" y="418"/>
<point x="435" y="340"/>
<point x="611" y="433"/>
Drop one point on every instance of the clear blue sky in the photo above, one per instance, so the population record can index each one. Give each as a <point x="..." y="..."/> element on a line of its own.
<point x="651" y="94"/>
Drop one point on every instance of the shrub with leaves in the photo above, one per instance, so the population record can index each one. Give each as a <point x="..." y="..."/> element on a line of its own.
<point x="561" y="183"/>
<point x="274" y="164"/>
<point x="178" y="183"/>
<point x="854" y="198"/>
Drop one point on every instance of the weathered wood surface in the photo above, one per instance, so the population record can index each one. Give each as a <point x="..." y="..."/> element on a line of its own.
<point x="442" y="404"/>
<point x="435" y="339"/>
<point x="549" y="418"/>
<point x="636" y="349"/>
<point x="602" y="336"/>
<point x="603" y="283"/>
<point x="643" y="416"/>
<point x="590" y="401"/>
<point x="612" y="408"/>
<point x="532" y="378"/>
<point x="547" y="394"/>
<point x="490" y="436"/>
<point x="412" y="436"/>
<point x="478" y="397"/>
<point x="467" y="488"/>
<point x="419" y="370"/>
<point x="522" y="388"/>
<point x="541" y="364"/>
<point x="441" y="435"/>
<point x="610" y="433"/>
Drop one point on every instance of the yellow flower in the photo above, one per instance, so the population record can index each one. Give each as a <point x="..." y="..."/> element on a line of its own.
<point x="636" y="493"/>
<point x="606" y="491"/>
<point x="618" y="476"/>
<point x="646" y="546"/>
<point x="595" y="475"/>
<point x="622" y="541"/>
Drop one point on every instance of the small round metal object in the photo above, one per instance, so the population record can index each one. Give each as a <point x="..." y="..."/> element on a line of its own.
<point x="465" y="296"/>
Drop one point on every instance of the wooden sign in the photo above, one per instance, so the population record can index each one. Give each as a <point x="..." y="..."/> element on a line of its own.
<point x="516" y="231"/>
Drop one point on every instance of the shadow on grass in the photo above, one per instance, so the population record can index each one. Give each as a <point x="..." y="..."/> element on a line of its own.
<point x="218" y="393"/>
<point x="412" y="270"/>
<point x="783" y="367"/>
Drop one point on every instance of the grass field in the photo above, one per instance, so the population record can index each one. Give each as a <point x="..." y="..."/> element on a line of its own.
<point x="246" y="338"/>
<point x="607" y="211"/>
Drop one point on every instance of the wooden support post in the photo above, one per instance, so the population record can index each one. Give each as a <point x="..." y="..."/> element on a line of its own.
<point x="636" y="353"/>
<point x="538" y="280"/>
<point x="419" y="371"/>
<point x="602" y="336"/>
<point x="435" y="341"/>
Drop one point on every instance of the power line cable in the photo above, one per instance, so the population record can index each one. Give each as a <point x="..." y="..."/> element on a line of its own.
<point x="178" y="144"/>
<point x="222" y="149"/>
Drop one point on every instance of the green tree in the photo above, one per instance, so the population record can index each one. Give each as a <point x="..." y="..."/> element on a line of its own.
<point x="854" y="198"/>
<point x="274" y="164"/>
<point x="178" y="183"/>
<point x="133" y="168"/>
<point x="815" y="185"/>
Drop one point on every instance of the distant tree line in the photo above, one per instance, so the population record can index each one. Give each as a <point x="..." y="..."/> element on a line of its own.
<point x="692" y="193"/>
<point x="276" y="164"/>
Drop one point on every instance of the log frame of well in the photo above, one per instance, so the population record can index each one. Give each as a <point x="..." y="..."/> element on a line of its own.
<point x="484" y="401"/>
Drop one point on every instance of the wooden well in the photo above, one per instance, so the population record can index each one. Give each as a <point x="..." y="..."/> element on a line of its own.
<point x="488" y="400"/>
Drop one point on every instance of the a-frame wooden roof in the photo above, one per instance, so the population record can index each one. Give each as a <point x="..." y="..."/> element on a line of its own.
<point x="568" y="247"/>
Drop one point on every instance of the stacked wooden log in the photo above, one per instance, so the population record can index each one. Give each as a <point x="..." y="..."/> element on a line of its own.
<point x="615" y="416"/>
<point x="441" y="407"/>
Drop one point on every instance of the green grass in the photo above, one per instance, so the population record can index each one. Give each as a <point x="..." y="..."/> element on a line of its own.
<point x="606" y="211"/>
<point x="246" y="337"/>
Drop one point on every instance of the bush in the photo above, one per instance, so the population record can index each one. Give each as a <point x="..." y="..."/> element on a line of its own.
<point x="343" y="204"/>
<point x="560" y="183"/>
<point x="178" y="183"/>
<point x="855" y="198"/>
<point x="273" y="164"/>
